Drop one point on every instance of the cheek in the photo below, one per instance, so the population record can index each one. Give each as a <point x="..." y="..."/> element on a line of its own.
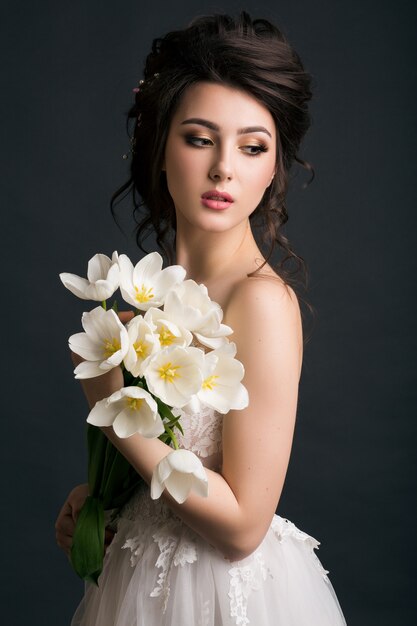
<point x="180" y="166"/>
<point x="180" y="176"/>
<point x="258" y="177"/>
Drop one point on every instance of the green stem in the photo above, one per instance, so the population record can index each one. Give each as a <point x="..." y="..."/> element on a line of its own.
<point x="173" y="437"/>
<point x="104" y="305"/>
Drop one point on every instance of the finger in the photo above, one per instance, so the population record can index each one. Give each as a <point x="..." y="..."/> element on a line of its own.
<point x="64" y="541"/>
<point x="65" y="510"/>
<point x="76" y="510"/>
<point x="65" y="525"/>
<point x="77" y="499"/>
<point x="64" y="521"/>
<point x="126" y="316"/>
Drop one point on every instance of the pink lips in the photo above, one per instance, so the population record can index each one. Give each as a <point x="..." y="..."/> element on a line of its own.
<point x="214" y="199"/>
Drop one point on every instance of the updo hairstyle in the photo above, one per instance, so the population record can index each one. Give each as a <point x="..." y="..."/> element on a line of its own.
<point x="250" y="55"/>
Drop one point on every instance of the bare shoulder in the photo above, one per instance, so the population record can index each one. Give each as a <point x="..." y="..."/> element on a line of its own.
<point x="264" y="313"/>
<point x="263" y="296"/>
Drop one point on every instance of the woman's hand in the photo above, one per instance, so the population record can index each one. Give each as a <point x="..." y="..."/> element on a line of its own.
<point x="67" y="518"/>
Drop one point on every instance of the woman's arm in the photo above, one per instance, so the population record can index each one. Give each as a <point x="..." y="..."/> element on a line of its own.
<point x="242" y="498"/>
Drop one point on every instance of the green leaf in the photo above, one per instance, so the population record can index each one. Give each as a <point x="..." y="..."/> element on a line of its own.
<point x="128" y="379"/>
<point x="164" y="410"/>
<point x="116" y="480"/>
<point x="97" y="444"/>
<point x="111" y="477"/>
<point x="88" y="541"/>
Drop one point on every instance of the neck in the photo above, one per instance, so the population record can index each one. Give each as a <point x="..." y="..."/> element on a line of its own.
<point x="208" y="256"/>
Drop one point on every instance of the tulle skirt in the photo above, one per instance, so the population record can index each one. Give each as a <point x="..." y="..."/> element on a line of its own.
<point x="157" y="572"/>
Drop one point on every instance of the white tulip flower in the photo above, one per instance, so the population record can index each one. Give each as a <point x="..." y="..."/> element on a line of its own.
<point x="189" y="305"/>
<point x="179" y="472"/>
<point x="101" y="282"/>
<point x="146" y="284"/>
<point x="174" y="374"/>
<point x="104" y="344"/>
<point x="129" y="410"/>
<point x="169" y="334"/>
<point x="221" y="389"/>
<point x="143" y="342"/>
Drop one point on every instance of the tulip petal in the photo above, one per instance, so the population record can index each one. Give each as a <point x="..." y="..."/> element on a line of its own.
<point x="125" y="423"/>
<point x="241" y="399"/>
<point x="200" y="487"/>
<point x="75" y="284"/>
<point x="147" y="267"/>
<point x="179" y="486"/>
<point x="103" y="413"/>
<point x="179" y="472"/>
<point x="156" y="486"/>
<point x="81" y="344"/>
<point x="100" y="290"/>
<point x="168" y="277"/>
<point x="88" y="369"/>
<point x="98" y="266"/>
<point x="113" y="275"/>
<point x="126" y="280"/>
<point x="210" y="342"/>
<point x="129" y="422"/>
<point x="94" y="324"/>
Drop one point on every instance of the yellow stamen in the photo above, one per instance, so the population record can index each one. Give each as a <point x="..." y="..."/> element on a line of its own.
<point x="209" y="382"/>
<point x="166" y="338"/>
<point x="144" y="294"/>
<point x="111" y="346"/>
<point x="168" y="372"/>
<point x="134" y="404"/>
<point x="141" y="349"/>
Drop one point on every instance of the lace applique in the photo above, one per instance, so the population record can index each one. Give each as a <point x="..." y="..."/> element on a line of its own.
<point x="283" y="528"/>
<point x="174" y="551"/>
<point x="205" y="613"/>
<point x="202" y="432"/>
<point x="137" y="548"/>
<point x="243" y="580"/>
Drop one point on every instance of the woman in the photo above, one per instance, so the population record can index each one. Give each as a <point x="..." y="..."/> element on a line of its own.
<point x="218" y="122"/>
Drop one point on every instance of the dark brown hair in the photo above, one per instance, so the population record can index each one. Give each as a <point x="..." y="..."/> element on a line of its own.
<point x="251" y="55"/>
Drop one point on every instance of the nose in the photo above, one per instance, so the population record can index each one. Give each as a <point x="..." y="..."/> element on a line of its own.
<point x="221" y="168"/>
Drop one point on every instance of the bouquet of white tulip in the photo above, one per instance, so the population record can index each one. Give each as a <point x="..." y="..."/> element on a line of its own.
<point x="163" y="372"/>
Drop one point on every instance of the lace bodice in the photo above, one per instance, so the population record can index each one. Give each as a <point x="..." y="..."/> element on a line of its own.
<point x="203" y="436"/>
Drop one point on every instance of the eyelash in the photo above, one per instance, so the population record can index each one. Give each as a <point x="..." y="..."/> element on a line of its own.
<point x="192" y="141"/>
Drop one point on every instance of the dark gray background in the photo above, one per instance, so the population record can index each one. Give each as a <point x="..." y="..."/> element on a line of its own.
<point x="69" y="68"/>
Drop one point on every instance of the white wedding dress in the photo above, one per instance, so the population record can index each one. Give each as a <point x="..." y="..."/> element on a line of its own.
<point x="158" y="572"/>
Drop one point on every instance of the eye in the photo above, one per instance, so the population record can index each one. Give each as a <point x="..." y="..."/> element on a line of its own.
<point x="198" y="142"/>
<point x="255" y="149"/>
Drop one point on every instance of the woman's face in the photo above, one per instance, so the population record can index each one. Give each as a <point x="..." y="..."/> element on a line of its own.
<point x="221" y="140"/>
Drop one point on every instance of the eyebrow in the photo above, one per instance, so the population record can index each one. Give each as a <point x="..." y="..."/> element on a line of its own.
<point x="212" y="126"/>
